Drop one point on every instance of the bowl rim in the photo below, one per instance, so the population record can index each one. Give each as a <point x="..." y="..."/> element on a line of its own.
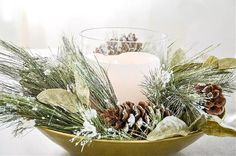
<point x="123" y="141"/>
<point x="82" y="33"/>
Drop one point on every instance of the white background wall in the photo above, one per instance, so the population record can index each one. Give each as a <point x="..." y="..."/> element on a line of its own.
<point x="39" y="24"/>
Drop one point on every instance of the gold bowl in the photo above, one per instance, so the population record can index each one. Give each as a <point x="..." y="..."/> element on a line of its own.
<point x="165" y="147"/>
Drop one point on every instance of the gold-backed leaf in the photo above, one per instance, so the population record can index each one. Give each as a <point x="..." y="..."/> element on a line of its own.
<point x="169" y="127"/>
<point x="227" y="63"/>
<point x="82" y="89"/>
<point x="177" y="57"/>
<point x="215" y="126"/>
<point x="198" y="123"/>
<point x="212" y="61"/>
<point x="61" y="98"/>
<point x="212" y="125"/>
<point x="186" y="67"/>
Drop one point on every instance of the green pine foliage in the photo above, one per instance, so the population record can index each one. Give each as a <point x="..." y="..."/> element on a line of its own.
<point x="178" y="93"/>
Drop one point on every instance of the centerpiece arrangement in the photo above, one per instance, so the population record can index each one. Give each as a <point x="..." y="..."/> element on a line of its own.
<point x="118" y="91"/>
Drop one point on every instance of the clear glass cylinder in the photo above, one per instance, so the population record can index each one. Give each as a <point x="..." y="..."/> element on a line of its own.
<point x="127" y="54"/>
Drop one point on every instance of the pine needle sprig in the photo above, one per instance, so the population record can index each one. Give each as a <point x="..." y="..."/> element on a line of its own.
<point x="102" y="94"/>
<point x="179" y="94"/>
<point x="33" y="74"/>
<point x="14" y="108"/>
<point x="30" y="71"/>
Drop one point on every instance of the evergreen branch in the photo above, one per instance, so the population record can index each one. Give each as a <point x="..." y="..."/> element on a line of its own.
<point x="14" y="108"/>
<point x="30" y="73"/>
<point x="178" y="94"/>
<point x="29" y="70"/>
<point x="95" y="77"/>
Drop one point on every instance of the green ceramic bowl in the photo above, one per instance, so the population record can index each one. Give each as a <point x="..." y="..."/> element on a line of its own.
<point x="165" y="147"/>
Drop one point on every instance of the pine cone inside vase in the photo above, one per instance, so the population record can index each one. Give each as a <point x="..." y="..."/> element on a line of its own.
<point x="215" y="101"/>
<point x="123" y="44"/>
<point x="131" y="117"/>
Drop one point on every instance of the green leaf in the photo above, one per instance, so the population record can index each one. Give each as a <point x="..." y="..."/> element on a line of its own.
<point x="61" y="98"/>
<point x="186" y="67"/>
<point x="169" y="127"/>
<point x="213" y="125"/>
<point x="212" y="61"/>
<point x="82" y="89"/>
<point x="177" y="57"/>
<point x="198" y="123"/>
<point x="227" y="63"/>
<point x="222" y="64"/>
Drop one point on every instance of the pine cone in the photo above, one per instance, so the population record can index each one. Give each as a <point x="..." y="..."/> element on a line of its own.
<point x="131" y="117"/>
<point x="117" y="46"/>
<point x="214" y="98"/>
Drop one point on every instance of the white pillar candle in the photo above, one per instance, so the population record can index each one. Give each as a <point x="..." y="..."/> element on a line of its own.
<point x="126" y="72"/>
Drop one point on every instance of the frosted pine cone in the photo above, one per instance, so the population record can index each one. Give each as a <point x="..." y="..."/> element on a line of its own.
<point x="214" y="98"/>
<point x="131" y="117"/>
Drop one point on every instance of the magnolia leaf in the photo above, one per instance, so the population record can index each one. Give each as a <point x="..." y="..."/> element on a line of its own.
<point x="227" y="63"/>
<point x="212" y="61"/>
<point x="186" y="67"/>
<point x="82" y="90"/>
<point x="61" y="98"/>
<point x="215" y="126"/>
<point x="169" y="127"/>
<point x="212" y="125"/>
<point x="198" y="123"/>
<point x="177" y="57"/>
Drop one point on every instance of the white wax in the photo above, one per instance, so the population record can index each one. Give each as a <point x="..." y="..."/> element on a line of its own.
<point x="126" y="72"/>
